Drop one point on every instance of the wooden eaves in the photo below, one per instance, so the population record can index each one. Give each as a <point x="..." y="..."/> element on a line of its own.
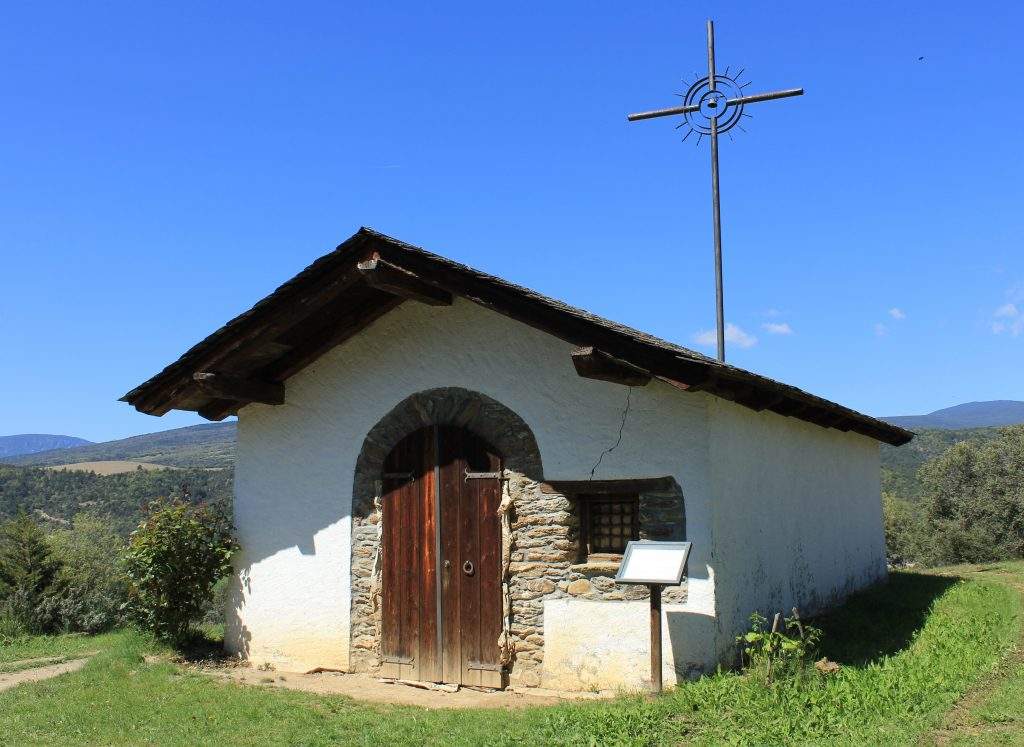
<point x="370" y="274"/>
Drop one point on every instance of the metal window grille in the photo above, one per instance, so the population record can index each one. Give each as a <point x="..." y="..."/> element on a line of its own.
<point x="609" y="522"/>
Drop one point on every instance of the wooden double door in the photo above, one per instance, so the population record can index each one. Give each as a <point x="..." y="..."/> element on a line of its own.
<point x="441" y="558"/>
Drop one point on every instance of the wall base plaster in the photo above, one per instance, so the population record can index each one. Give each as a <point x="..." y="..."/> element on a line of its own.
<point x="605" y="645"/>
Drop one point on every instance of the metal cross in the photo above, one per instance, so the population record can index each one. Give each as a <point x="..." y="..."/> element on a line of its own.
<point x="711" y="106"/>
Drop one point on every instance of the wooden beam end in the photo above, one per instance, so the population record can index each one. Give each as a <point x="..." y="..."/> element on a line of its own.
<point x="591" y="363"/>
<point x="398" y="281"/>
<point x="238" y="389"/>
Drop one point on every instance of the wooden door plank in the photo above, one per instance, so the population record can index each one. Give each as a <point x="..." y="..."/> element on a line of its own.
<point x="426" y="531"/>
<point x="490" y="574"/>
<point x="409" y="454"/>
<point x="450" y="440"/>
<point x="474" y="459"/>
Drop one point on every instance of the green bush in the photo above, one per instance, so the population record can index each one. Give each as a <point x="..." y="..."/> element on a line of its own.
<point x="219" y="598"/>
<point x="173" y="561"/>
<point x="91" y="589"/>
<point x="27" y="573"/>
<point x="974" y="505"/>
<point x="904" y="527"/>
<point x="972" y="509"/>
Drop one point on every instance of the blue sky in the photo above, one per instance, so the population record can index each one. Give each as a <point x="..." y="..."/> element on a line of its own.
<point x="164" y="166"/>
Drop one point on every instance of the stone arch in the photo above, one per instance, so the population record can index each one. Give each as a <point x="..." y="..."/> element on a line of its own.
<point x="502" y="428"/>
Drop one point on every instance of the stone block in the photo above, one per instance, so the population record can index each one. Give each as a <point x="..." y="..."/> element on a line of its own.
<point x="579" y="587"/>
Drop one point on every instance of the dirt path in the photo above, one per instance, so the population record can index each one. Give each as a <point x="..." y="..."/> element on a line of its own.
<point x="367" y="688"/>
<point x="960" y="722"/>
<point x="13" y="679"/>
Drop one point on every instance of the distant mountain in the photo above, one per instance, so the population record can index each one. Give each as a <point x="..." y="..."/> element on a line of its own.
<point x="31" y="443"/>
<point x="995" y="413"/>
<point x="199" y="446"/>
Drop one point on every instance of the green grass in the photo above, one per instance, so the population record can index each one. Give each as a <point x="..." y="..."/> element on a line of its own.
<point x="995" y="716"/>
<point x="909" y="651"/>
<point x="62" y="646"/>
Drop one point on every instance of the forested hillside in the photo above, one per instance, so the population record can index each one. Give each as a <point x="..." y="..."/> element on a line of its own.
<point x="56" y="495"/>
<point x="901" y="463"/>
<point x="208" y="445"/>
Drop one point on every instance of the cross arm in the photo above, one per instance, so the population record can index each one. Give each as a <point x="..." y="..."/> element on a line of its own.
<point x="663" y="112"/>
<point x="770" y="96"/>
<point x="738" y="101"/>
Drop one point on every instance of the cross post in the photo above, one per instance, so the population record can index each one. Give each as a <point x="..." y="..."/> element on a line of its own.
<point x="705" y="104"/>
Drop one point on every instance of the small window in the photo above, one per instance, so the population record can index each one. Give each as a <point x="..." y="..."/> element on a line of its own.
<point x="607" y="523"/>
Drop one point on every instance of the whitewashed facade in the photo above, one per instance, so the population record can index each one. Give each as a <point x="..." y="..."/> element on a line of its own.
<point x="781" y="512"/>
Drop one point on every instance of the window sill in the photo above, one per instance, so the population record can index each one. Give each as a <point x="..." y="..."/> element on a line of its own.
<point x="606" y="566"/>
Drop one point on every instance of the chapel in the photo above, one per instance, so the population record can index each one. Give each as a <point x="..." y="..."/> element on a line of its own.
<point x="438" y="472"/>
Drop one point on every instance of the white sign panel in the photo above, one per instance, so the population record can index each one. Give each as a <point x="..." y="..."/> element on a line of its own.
<point x="648" y="562"/>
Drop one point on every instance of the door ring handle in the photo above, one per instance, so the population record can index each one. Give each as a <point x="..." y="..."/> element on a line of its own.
<point x="467" y="568"/>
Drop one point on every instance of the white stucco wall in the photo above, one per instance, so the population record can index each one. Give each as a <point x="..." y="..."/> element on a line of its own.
<point x="295" y="468"/>
<point x="603" y="645"/>
<point x="781" y="512"/>
<point x="797" y="514"/>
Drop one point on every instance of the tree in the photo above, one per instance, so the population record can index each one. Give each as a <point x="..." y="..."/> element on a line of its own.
<point x="902" y="521"/>
<point x="27" y="570"/>
<point x="974" y="506"/>
<point x="91" y="588"/>
<point x="173" y="560"/>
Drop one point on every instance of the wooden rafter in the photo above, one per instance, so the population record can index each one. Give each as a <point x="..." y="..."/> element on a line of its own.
<point x="592" y="363"/>
<point x="227" y="386"/>
<point x="314" y="346"/>
<point x="389" y="277"/>
<point x="308" y="315"/>
<point x="248" y="330"/>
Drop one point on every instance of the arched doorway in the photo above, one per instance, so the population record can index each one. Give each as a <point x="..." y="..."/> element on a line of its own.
<point x="441" y="597"/>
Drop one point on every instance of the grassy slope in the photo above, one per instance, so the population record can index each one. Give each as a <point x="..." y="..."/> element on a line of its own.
<point x="909" y="650"/>
<point x="62" y="645"/>
<point x="994" y="713"/>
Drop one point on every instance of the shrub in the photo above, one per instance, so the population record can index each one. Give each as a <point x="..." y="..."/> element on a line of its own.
<point x="91" y="589"/>
<point x="974" y="506"/>
<point x="219" y="598"/>
<point x="904" y="527"/>
<point x="173" y="560"/>
<point x="27" y="573"/>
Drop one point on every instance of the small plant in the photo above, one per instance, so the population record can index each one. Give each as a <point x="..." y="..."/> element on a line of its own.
<point x="173" y="561"/>
<point x="783" y="649"/>
<point x="12" y="630"/>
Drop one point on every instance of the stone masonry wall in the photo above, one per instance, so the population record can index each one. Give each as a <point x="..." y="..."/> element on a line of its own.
<point x="545" y="554"/>
<point x="545" y="564"/>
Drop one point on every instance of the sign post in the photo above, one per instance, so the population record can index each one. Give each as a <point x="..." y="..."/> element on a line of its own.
<point x="654" y="565"/>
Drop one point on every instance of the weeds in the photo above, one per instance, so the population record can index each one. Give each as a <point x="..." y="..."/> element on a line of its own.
<point x="774" y="652"/>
